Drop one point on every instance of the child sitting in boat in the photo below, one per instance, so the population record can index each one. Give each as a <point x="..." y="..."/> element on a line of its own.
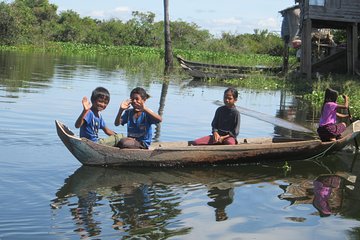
<point x="329" y="129"/>
<point x="139" y="119"/>
<point x="90" y="119"/>
<point x="225" y="124"/>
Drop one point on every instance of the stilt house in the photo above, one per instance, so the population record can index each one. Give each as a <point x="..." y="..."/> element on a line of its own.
<point x="318" y="52"/>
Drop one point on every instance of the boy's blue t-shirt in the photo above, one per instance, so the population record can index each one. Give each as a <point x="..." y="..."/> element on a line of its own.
<point x="91" y="126"/>
<point x="139" y="128"/>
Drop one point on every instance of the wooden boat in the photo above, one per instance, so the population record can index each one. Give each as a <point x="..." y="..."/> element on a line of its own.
<point x="165" y="154"/>
<point x="200" y="70"/>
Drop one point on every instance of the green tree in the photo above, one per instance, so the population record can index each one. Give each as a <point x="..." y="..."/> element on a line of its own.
<point x="187" y="35"/>
<point x="8" y="28"/>
<point x="24" y="20"/>
<point x="70" y="28"/>
<point x="114" y="32"/>
<point x="91" y="33"/>
<point x="141" y="29"/>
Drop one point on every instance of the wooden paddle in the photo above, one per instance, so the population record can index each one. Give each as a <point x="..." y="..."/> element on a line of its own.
<point x="270" y="119"/>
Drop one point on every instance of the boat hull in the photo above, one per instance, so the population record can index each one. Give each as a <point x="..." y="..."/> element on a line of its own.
<point x="181" y="154"/>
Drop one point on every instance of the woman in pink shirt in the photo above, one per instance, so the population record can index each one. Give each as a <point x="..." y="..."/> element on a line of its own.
<point x="329" y="129"/>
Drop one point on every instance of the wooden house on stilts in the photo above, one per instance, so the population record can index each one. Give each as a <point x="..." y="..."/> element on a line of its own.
<point x="314" y="20"/>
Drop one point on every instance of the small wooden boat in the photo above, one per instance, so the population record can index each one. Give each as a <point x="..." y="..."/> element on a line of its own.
<point x="165" y="154"/>
<point x="200" y="70"/>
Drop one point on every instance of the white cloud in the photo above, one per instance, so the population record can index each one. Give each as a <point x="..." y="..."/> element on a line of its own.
<point x="118" y="12"/>
<point x="97" y="14"/>
<point x="227" y="21"/>
<point x="269" y="23"/>
<point x="122" y="10"/>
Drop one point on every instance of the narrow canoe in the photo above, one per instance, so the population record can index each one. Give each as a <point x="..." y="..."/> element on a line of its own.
<point x="200" y="70"/>
<point x="166" y="154"/>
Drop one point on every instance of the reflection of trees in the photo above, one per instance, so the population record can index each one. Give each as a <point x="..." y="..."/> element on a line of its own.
<point x="145" y="212"/>
<point x="25" y="70"/>
<point x="83" y="215"/>
<point x="19" y="70"/>
<point x="140" y="208"/>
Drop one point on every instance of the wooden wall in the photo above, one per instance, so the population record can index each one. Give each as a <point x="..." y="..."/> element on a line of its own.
<point x="333" y="10"/>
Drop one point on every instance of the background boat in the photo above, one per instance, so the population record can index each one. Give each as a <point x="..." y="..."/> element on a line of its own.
<point x="200" y="70"/>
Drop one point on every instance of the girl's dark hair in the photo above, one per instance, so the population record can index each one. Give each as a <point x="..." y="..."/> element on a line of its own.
<point x="141" y="92"/>
<point x="233" y="91"/>
<point x="100" y="92"/>
<point x="331" y="95"/>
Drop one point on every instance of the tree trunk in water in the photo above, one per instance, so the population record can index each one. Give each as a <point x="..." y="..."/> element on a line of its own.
<point x="164" y="91"/>
<point x="168" y="48"/>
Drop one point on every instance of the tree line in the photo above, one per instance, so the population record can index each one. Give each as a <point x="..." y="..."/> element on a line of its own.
<point x="37" y="22"/>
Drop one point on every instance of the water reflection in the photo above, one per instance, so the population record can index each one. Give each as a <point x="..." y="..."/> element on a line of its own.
<point x="25" y="71"/>
<point x="294" y="110"/>
<point x="326" y="192"/>
<point x="148" y="202"/>
<point x="83" y="215"/>
<point x="222" y="197"/>
<point x="139" y="205"/>
<point x="21" y="71"/>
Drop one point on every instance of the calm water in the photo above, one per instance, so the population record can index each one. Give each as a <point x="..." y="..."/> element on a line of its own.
<point x="46" y="194"/>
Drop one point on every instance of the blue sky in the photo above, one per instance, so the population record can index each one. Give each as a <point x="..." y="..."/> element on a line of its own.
<point x="235" y="16"/>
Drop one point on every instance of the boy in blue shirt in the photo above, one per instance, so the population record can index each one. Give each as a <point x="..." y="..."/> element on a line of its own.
<point x="90" y="119"/>
<point x="138" y="119"/>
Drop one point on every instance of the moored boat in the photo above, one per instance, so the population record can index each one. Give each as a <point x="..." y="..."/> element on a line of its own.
<point x="200" y="70"/>
<point x="166" y="154"/>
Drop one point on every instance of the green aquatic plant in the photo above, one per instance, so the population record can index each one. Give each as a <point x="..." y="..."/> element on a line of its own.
<point x="286" y="167"/>
<point x="258" y="81"/>
<point x="348" y="85"/>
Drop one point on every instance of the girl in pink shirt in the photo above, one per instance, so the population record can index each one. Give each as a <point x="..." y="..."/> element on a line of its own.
<point x="329" y="129"/>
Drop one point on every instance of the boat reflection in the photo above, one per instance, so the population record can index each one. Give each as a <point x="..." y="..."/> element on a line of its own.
<point x="140" y="202"/>
<point x="325" y="193"/>
<point x="144" y="201"/>
<point x="137" y="201"/>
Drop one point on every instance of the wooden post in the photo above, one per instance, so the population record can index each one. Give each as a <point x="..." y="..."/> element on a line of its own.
<point x="349" y="49"/>
<point x="168" y="45"/>
<point x="355" y="46"/>
<point x="285" y="67"/>
<point x="306" y="50"/>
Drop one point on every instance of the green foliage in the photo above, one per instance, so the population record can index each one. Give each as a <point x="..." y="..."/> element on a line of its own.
<point x="37" y="22"/>
<point x="261" y="42"/>
<point x="339" y="36"/>
<point x="141" y="29"/>
<point x="258" y="81"/>
<point x="229" y="58"/>
<point x="287" y="168"/>
<point x="343" y="84"/>
<point x="188" y="35"/>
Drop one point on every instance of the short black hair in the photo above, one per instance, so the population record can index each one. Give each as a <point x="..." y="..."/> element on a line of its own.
<point x="141" y="92"/>
<point x="100" y="92"/>
<point x="233" y="91"/>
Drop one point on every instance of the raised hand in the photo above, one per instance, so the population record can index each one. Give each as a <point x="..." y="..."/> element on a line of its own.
<point x="86" y="104"/>
<point x="125" y="104"/>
